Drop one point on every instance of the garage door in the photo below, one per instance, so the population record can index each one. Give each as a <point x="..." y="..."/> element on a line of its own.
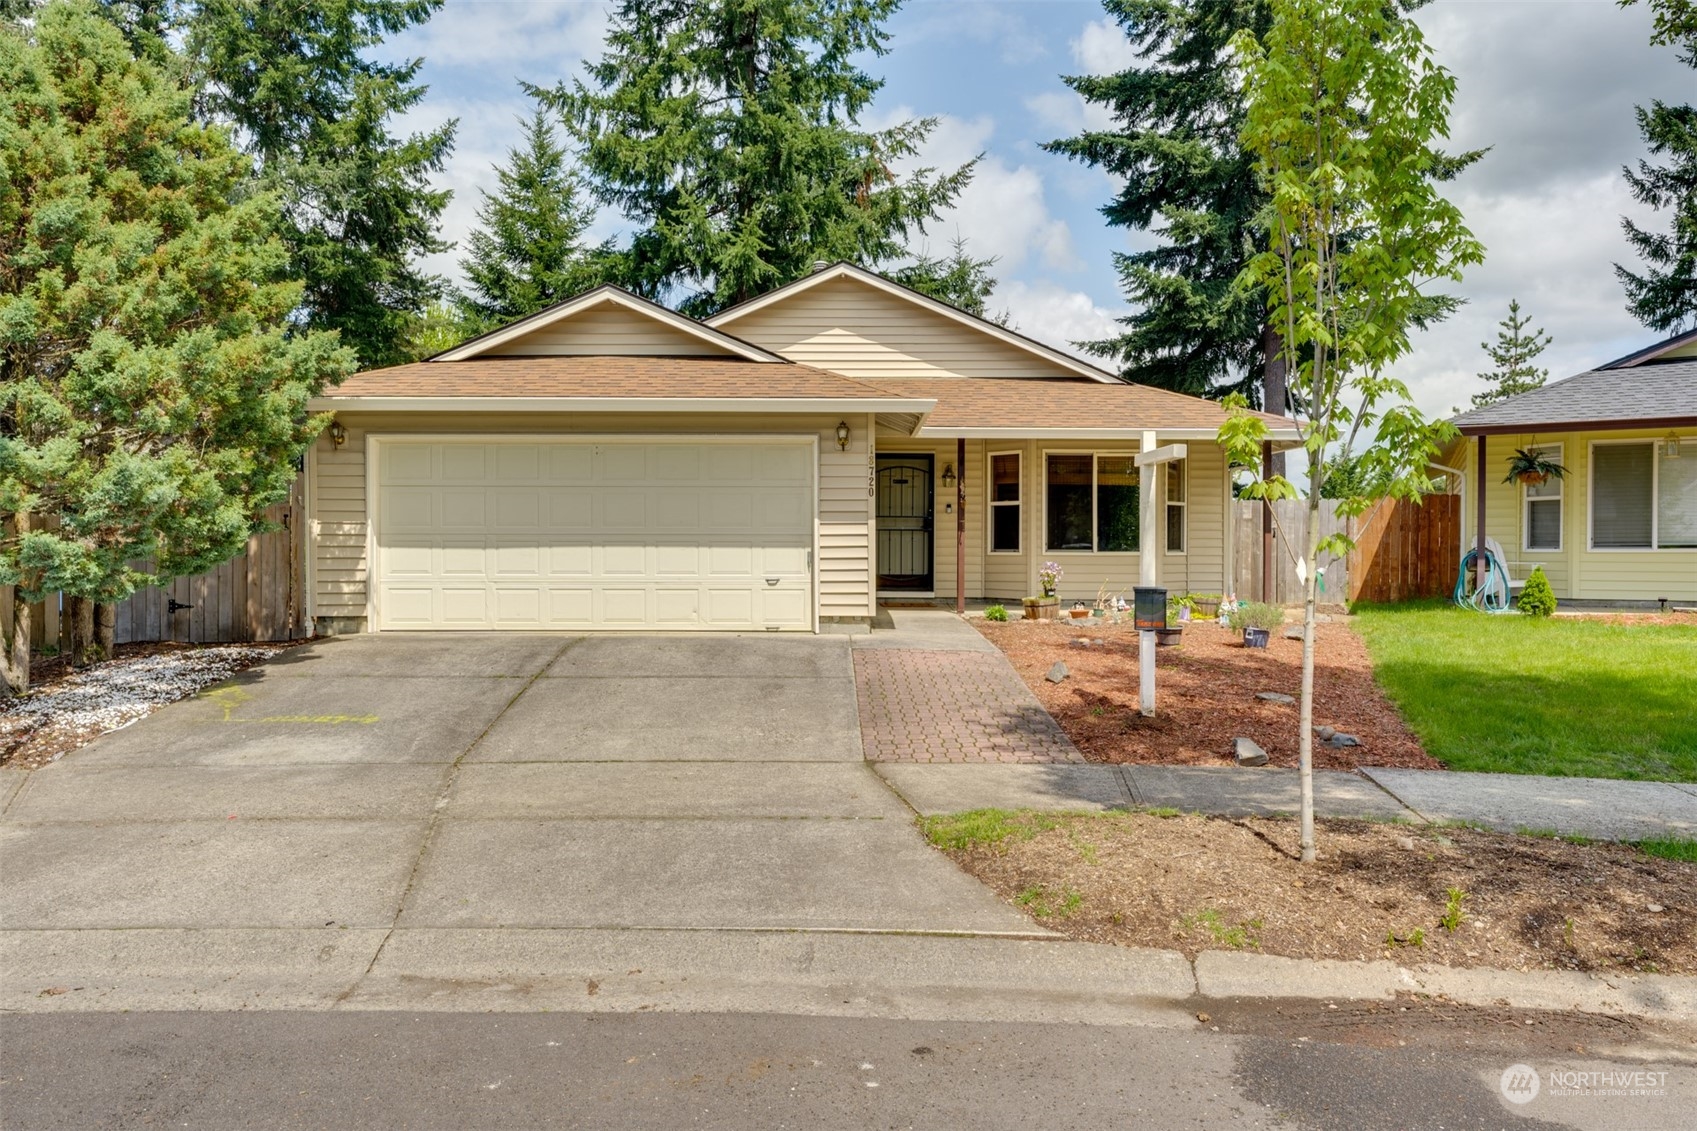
<point x="600" y="535"/>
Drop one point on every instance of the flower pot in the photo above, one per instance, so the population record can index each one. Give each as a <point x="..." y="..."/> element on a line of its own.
<point x="1168" y="637"/>
<point x="1533" y="478"/>
<point x="1079" y="614"/>
<point x="1256" y="637"/>
<point x="1204" y="608"/>
<point x="1041" y="608"/>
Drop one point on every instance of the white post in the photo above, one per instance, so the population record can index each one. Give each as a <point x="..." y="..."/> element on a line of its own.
<point x="1146" y="572"/>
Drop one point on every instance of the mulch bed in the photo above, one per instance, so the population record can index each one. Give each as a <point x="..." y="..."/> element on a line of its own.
<point x="1196" y="883"/>
<point x="1205" y="695"/>
<point x="103" y="697"/>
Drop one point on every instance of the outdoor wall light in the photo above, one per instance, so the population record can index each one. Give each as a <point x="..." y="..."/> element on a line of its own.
<point x="948" y="475"/>
<point x="338" y="434"/>
<point x="842" y="435"/>
<point x="1670" y="446"/>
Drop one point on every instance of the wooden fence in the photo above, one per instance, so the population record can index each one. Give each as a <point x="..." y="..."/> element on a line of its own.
<point x="1402" y="550"/>
<point x="257" y="595"/>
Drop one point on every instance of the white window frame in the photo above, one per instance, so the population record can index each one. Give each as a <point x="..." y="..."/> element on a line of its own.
<point x="991" y="503"/>
<point x="1095" y="462"/>
<point x="1527" y="499"/>
<point x="1655" y="546"/>
<point x="1183" y="504"/>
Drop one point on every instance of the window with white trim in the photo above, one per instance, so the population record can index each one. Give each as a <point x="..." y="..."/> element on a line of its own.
<point x="1542" y="504"/>
<point x="1177" y="506"/>
<point x="1091" y="502"/>
<point x="1643" y="497"/>
<point x="1004" y="503"/>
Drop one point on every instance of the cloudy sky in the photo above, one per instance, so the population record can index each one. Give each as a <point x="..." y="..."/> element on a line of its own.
<point x="1550" y="85"/>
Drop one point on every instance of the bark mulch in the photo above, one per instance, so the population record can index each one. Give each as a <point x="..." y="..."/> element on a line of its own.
<point x="1205" y="695"/>
<point x="1196" y="883"/>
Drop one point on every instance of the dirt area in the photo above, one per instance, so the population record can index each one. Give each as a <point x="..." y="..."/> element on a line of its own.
<point x="67" y="708"/>
<point x="1206" y="691"/>
<point x="1196" y="883"/>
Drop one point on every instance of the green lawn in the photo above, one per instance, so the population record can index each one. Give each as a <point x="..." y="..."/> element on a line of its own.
<point x="1523" y="695"/>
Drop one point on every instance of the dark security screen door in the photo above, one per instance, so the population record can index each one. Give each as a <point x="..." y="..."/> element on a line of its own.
<point x="904" y="522"/>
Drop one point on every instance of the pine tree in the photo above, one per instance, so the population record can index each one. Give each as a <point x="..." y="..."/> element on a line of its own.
<point x="958" y="278"/>
<point x="1176" y="146"/>
<point x="528" y="251"/>
<point x="1664" y="295"/>
<point x="1514" y="357"/>
<point x="728" y="132"/>
<point x="152" y="396"/>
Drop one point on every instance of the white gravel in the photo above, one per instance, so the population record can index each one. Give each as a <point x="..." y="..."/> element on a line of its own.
<point x="111" y="696"/>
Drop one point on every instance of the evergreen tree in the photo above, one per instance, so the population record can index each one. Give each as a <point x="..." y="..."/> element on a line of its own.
<point x="728" y="131"/>
<point x="1664" y="295"/>
<point x="1176" y="146"/>
<point x="957" y="278"/>
<point x="150" y="398"/>
<point x="528" y="251"/>
<point x="1514" y="356"/>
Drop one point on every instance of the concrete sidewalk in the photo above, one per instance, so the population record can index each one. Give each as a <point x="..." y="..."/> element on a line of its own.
<point x="1593" y="807"/>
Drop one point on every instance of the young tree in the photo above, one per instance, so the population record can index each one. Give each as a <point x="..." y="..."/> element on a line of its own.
<point x="529" y="251"/>
<point x="728" y="132"/>
<point x="150" y="398"/>
<point x="1664" y="295"/>
<point x="958" y="278"/>
<point x="1515" y="356"/>
<point x="1343" y="108"/>
<point x="1177" y="148"/>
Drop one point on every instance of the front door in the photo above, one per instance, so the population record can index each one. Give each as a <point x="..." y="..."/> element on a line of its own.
<point x="904" y="523"/>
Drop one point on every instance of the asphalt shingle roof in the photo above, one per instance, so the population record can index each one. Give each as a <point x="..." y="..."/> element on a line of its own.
<point x="1656" y="392"/>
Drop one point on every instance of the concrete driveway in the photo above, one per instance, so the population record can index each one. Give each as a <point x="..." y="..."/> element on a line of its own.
<point x="366" y="799"/>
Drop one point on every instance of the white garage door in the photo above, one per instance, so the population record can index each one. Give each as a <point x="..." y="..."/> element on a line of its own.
<point x="605" y="534"/>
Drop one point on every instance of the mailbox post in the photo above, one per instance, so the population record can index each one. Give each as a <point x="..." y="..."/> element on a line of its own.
<point x="1149" y="613"/>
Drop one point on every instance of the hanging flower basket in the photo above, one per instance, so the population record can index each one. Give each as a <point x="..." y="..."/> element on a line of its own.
<point x="1530" y="469"/>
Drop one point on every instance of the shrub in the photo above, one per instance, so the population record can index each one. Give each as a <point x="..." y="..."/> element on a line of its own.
<point x="995" y="612"/>
<point x="1257" y="614"/>
<point x="1537" y="600"/>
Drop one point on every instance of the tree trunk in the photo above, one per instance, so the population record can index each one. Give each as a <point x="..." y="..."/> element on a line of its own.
<point x="15" y="631"/>
<point x="79" y="611"/>
<point x="106" y="630"/>
<point x="1305" y="748"/>
<point x="1274" y="398"/>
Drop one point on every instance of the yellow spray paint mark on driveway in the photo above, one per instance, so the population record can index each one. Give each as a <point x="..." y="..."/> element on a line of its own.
<point x="230" y="698"/>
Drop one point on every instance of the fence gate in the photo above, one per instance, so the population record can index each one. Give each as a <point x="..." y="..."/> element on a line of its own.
<point x="1407" y="549"/>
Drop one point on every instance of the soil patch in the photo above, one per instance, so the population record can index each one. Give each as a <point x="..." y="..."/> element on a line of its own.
<point x="1206" y="691"/>
<point x="1194" y="883"/>
<point x="68" y="707"/>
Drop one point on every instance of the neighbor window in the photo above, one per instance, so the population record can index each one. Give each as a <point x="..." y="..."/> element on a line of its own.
<point x="1175" y="506"/>
<point x="1543" y="506"/>
<point x="1642" y="497"/>
<point x="1091" y="502"/>
<point x="1004" y="503"/>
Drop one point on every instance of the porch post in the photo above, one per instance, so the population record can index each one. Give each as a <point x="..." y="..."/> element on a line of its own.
<point x="960" y="526"/>
<point x="1151" y="482"/>
<point x="1267" y="562"/>
<point x="1481" y="568"/>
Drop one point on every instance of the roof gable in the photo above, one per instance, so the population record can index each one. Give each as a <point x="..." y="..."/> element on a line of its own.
<point x="1677" y="348"/>
<point x="855" y="322"/>
<point x="606" y="322"/>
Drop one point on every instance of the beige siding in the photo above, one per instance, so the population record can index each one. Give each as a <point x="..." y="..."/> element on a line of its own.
<point x="339" y="492"/>
<point x="1688" y="350"/>
<point x="859" y="331"/>
<point x="1575" y="571"/>
<point x="608" y="330"/>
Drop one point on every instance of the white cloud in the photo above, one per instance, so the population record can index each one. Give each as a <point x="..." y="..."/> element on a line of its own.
<point x="1054" y="315"/>
<point x="1102" y="48"/>
<point x="466" y="33"/>
<point x="1065" y="112"/>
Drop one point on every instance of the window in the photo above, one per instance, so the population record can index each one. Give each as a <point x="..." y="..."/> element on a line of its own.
<point x="1091" y="502"/>
<point x="1004" y="503"/>
<point x="1543" y="506"/>
<point x="1643" y="498"/>
<point x="1176" y="506"/>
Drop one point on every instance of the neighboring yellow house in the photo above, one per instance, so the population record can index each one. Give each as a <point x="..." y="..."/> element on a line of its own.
<point x="611" y="464"/>
<point x="1621" y="526"/>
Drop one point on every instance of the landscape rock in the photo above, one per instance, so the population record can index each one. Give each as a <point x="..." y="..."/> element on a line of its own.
<point x="1080" y="642"/>
<point x="1276" y="697"/>
<point x="1324" y="734"/>
<point x="1293" y="632"/>
<point x="1247" y="752"/>
<point x="1057" y="673"/>
<point x="1341" y="741"/>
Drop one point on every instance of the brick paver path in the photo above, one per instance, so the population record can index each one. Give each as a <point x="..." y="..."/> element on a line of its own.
<point x="932" y="706"/>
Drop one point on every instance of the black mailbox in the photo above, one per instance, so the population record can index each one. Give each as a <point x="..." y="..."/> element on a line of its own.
<point x="1151" y="608"/>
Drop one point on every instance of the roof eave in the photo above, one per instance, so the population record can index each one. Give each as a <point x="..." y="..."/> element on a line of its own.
<point x="620" y="404"/>
<point x="1278" y="436"/>
<point x="1514" y="428"/>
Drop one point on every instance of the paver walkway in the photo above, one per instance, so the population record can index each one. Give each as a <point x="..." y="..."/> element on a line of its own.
<point x="931" y="689"/>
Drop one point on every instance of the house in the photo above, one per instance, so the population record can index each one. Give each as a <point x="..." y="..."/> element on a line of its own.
<point x="1621" y="525"/>
<point x="784" y="465"/>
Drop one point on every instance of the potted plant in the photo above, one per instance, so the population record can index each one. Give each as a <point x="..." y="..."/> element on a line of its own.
<point x="1531" y="469"/>
<point x="1257" y="620"/>
<point x="1204" y="605"/>
<point x="1045" y="607"/>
